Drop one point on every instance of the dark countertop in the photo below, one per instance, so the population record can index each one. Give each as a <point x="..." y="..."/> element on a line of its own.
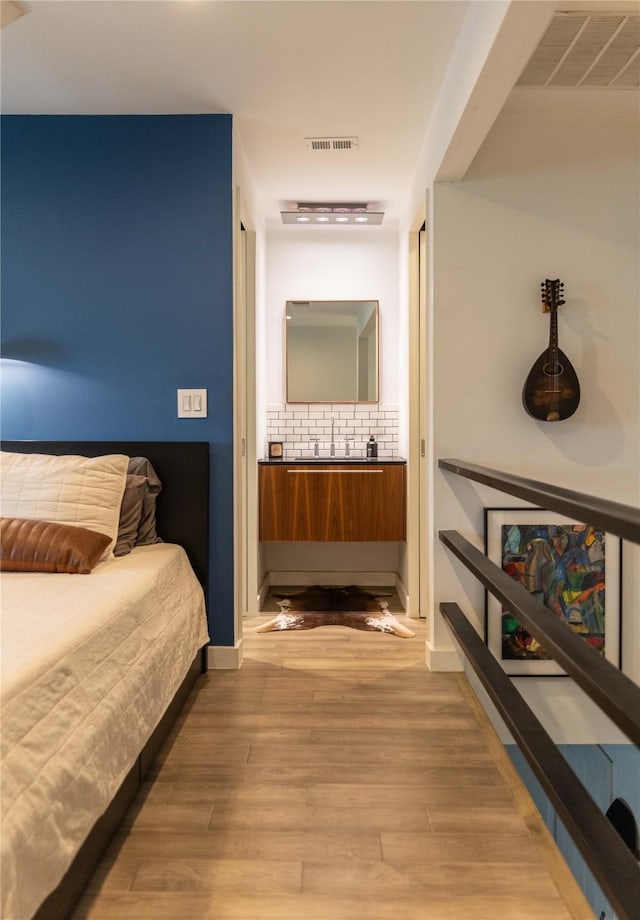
<point x="326" y="461"/>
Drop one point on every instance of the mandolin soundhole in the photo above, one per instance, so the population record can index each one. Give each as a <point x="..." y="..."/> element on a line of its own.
<point x="553" y="370"/>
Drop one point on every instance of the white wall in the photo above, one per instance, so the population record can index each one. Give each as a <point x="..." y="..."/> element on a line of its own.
<point x="553" y="192"/>
<point x="332" y="263"/>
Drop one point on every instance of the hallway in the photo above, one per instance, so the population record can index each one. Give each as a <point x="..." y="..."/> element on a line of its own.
<point x="333" y="777"/>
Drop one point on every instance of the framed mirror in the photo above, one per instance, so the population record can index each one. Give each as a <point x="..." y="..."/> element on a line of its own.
<point x="331" y="351"/>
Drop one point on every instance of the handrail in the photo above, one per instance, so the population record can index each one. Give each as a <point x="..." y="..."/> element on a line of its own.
<point x="616" y="518"/>
<point x="613" y="691"/>
<point x="610" y="859"/>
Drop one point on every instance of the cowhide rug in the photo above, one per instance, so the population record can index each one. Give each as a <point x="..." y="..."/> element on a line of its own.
<point x="335" y="606"/>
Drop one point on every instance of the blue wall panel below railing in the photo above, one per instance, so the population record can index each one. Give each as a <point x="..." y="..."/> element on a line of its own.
<point x="609" y="772"/>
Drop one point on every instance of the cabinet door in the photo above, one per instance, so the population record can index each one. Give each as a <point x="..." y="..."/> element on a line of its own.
<point x="332" y="503"/>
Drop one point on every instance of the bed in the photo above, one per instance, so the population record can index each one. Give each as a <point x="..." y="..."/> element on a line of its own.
<point x="95" y="664"/>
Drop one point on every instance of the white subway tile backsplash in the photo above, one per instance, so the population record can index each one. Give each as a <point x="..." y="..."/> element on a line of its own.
<point x="298" y="426"/>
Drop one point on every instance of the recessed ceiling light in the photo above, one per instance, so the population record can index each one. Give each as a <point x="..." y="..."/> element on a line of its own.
<point x="361" y="220"/>
<point x="342" y="220"/>
<point x="303" y="220"/>
<point x="322" y="220"/>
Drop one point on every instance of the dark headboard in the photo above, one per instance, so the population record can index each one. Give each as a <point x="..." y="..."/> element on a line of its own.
<point x="183" y="468"/>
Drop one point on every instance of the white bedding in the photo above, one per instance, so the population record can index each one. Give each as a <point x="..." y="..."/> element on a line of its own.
<point x="89" y="666"/>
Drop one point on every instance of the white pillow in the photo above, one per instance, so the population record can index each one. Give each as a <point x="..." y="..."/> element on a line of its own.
<point x="81" y="491"/>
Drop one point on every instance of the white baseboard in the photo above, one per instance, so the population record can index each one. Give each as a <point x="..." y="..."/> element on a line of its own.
<point x="332" y="578"/>
<point x="443" y="659"/>
<point x="224" y="657"/>
<point x="263" y="589"/>
<point x="403" y="594"/>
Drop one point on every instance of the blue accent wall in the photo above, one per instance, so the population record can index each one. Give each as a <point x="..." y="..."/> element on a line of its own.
<point x="117" y="289"/>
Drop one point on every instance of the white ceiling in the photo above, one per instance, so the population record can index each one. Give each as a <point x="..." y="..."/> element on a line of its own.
<point x="285" y="69"/>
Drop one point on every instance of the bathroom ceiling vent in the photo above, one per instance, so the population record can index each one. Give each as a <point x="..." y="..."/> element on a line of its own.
<point x="331" y="143"/>
<point x="587" y="50"/>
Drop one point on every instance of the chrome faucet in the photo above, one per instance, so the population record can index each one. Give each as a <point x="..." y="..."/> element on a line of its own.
<point x="333" y="443"/>
<point x="346" y="447"/>
<point x="316" y="447"/>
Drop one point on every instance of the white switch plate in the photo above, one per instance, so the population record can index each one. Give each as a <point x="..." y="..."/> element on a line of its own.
<point x="192" y="403"/>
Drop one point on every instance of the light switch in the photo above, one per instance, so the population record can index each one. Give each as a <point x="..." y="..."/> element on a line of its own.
<point x="192" y="403"/>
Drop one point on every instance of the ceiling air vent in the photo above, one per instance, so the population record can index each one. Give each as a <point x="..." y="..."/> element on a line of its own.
<point x="587" y="50"/>
<point x="331" y="143"/>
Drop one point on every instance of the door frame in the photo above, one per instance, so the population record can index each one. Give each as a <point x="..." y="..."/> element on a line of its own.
<point x="418" y="466"/>
<point x="244" y="403"/>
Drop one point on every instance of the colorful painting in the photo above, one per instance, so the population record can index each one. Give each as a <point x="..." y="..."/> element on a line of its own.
<point x="570" y="567"/>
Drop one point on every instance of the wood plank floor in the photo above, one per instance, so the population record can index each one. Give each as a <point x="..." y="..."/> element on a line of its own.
<point x="333" y="777"/>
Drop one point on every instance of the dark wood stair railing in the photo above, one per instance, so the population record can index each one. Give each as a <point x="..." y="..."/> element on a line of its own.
<point x="622" y="520"/>
<point x="608" y="857"/>
<point x="616" y="694"/>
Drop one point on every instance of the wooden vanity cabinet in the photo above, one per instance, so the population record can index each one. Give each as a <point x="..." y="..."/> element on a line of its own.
<point x="333" y="502"/>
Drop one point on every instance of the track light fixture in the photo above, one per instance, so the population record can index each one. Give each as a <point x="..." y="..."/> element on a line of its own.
<point x="323" y="214"/>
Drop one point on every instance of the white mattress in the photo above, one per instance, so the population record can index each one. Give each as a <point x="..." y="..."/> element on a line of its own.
<point x="89" y="666"/>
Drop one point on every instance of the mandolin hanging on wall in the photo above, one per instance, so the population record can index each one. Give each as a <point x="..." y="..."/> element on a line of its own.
<point x="551" y="391"/>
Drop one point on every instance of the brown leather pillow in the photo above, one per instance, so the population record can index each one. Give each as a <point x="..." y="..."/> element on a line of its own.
<point x="43" y="546"/>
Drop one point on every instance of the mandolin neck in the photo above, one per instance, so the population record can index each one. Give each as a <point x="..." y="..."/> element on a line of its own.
<point x="553" y="330"/>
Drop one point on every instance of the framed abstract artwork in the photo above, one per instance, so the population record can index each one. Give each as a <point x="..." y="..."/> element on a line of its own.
<point x="570" y="567"/>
